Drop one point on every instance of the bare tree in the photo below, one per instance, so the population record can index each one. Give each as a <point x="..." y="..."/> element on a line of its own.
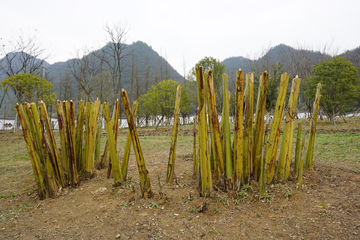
<point x="83" y="69"/>
<point x="263" y="61"/>
<point x="113" y="55"/>
<point x="300" y="62"/>
<point x="157" y="75"/>
<point x="147" y="73"/>
<point x="23" y="54"/>
<point x="167" y="74"/>
<point x="102" y="83"/>
<point x="66" y="91"/>
<point x="133" y="73"/>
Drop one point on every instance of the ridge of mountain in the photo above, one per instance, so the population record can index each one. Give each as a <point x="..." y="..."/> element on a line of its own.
<point x="141" y="51"/>
<point x="281" y="53"/>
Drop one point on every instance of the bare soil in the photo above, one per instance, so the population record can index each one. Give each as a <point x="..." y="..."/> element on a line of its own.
<point x="328" y="206"/>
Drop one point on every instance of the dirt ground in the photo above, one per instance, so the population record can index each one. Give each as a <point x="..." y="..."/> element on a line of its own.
<point x="328" y="206"/>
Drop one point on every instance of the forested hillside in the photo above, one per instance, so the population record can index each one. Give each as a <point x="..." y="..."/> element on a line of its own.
<point x="139" y="63"/>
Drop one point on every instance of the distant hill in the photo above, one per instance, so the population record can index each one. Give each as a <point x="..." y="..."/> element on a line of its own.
<point x="234" y="63"/>
<point x="287" y="56"/>
<point x="141" y="52"/>
<point x="353" y="56"/>
<point x="13" y="64"/>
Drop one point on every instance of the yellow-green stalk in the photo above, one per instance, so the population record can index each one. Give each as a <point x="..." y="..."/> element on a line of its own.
<point x="52" y="184"/>
<point x="70" y="130"/>
<point x="124" y="166"/>
<point x="203" y="153"/>
<point x="208" y="163"/>
<point x="227" y="137"/>
<point x="63" y="138"/>
<point x="42" y="149"/>
<point x="194" y="148"/>
<point x="209" y="114"/>
<point x="302" y="159"/>
<point x="272" y="145"/>
<point x="79" y="136"/>
<point x="56" y="161"/>
<point x="198" y="175"/>
<point x="248" y="132"/>
<point x="98" y="138"/>
<point x="115" y="127"/>
<point x="259" y="123"/>
<point x="263" y="163"/>
<point x="38" y="173"/>
<point x="286" y="146"/>
<point x="34" y="131"/>
<point x="238" y="135"/>
<point x="204" y="161"/>
<point x="292" y="123"/>
<point x="298" y="149"/>
<point x="172" y="153"/>
<point x="118" y="178"/>
<point x="215" y="123"/>
<point x="310" y="151"/>
<point x="89" y="133"/>
<point x="143" y="172"/>
<point x="95" y="130"/>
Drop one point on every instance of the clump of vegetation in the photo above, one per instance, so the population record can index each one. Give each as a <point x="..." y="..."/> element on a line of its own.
<point x="154" y="205"/>
<point x="222" y="199"/>
<point x="247" y="187"/>
<point x="287" y="193"/>
<point x="217" y="210"/>
<point x="265" y="198"/>
<point x="242" y="196"/>
<point x="193" y="210"/>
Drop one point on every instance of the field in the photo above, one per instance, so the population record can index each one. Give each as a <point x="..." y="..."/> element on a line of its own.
<point x="328" y="206"/>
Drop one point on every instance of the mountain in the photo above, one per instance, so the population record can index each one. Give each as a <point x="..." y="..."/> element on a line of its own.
<point x="280" y="53"/>
<point x="18" y="62"/>
<point x="353" y="56"/>
<point x="159" y="68"/>
<point x="234" y="63"/>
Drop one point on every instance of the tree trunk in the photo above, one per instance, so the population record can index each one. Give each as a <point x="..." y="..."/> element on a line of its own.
<point x="332" y="118"/>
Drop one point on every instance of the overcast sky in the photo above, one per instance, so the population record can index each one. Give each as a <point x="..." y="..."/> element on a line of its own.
<point x="185" y="30"/>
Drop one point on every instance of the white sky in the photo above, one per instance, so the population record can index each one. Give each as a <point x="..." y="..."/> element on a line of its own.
<point x="185" y="29"/>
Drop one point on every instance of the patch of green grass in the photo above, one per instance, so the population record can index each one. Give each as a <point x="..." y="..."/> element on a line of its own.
<point x="217" y="210"/>
<point x="222" y="199"/>
<point x="128" y="185"/>
<point x="287" y="193"/>
<point x="8" y="195"/>
<point x="154" y="205"/>
<point x="193" y="210"/>
<point x="247" y="187"/>
<point x="124" y="205"/>
<point x="266" y="198"/>
<point x="242" y="196"/>
<point x="10" y="213"/>
<point x="338" y="148"/>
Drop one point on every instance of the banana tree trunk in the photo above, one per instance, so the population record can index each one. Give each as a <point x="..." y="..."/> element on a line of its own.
<point x="124" y="166"/>
<point x="310" y="152"/>
<point x="249" y="116"/>
<point x="238" y="138"/>
<point x="259" y="123"/>
<point x="286" y="146"/>
<point x="143" y="172"/>
<point x="172" y="154"/>
<point x="118" y="177"/>
<point x="272" y="146"/>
